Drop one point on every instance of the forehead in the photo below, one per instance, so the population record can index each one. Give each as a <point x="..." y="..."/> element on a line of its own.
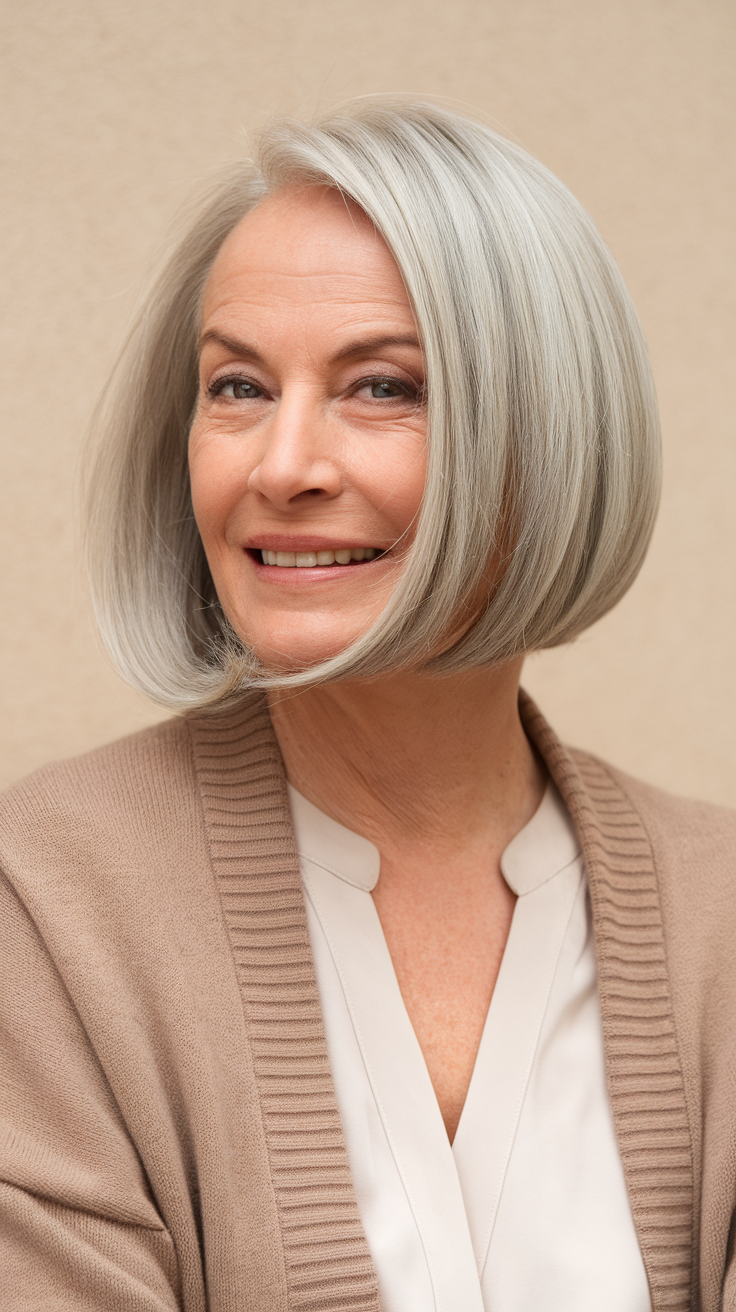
<point x="304" y="244"/>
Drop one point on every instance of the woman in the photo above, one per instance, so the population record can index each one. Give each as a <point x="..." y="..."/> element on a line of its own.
<point x="386" y="425"/>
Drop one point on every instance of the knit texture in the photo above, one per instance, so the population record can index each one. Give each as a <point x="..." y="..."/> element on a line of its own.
<point x="169" y="1132"/>
<point x="257" y="869"/>
<point x="645" y="1081"/>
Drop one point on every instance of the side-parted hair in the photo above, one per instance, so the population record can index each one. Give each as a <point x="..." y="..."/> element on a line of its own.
<point x="543" y="436"/>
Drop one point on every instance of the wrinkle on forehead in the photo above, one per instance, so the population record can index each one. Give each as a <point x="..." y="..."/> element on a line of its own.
<point x="307" y="261"/>
<point x="300" y="237"/>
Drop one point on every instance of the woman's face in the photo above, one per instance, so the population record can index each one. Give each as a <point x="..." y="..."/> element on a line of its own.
<point x="308" y="444"/>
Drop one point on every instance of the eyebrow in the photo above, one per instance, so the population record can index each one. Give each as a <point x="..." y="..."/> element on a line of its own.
<point x="364" y="345"/>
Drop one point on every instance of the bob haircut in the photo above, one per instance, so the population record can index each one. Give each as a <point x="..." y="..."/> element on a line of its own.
<point x="543" y="438"/>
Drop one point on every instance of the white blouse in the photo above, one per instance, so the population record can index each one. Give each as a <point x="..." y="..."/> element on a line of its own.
<point x="527" y="1209"/>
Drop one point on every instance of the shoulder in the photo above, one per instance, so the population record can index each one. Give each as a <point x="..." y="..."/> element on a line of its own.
<point x="684" y="833"/>
<point x="99" y="828"/>
<point x="693" y="855"/>
<point x="120" y="779"/>
<point x="131" y="815"/>
<point x="689" y="840"/>
<point x="692" y="840"/>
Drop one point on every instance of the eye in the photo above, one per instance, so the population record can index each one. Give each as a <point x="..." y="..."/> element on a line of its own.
<point x="387" y="389"/>
<point x="235" y="388"/>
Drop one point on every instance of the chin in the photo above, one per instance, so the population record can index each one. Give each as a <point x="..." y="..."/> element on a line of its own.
<point x="293" y="657"/>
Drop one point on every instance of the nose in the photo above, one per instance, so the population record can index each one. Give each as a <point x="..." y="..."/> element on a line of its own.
<point x="299" y="458"/>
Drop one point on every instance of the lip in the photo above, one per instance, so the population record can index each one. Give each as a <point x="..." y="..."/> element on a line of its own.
<point x="287" y="576"/>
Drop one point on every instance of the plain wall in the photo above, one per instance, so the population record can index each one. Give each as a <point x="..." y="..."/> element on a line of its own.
<point x="113" y="113"/>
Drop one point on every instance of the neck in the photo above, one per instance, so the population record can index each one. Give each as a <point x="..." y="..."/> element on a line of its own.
<point x="413" y="759"/>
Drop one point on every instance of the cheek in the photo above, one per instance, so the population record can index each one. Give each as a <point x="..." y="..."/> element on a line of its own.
<point x="217" y="485"/>
<point x="397" y="484"/>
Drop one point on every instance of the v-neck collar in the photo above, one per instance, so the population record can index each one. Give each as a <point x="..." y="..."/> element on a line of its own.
<point x="454" y="1192"/>
<point x="328" y="844"/>
<point x="539" y="850"/>
<point x="543" y="866"/>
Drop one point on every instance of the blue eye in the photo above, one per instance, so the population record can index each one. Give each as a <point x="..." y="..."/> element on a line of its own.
<point x="386" y="389"/>
<point x="245" y="391"/>
<point x="236" y="389"/>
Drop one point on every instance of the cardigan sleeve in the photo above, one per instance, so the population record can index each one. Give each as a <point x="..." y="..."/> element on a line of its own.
<point x="79" y="1229"/>
<point x="728" y="1303"/>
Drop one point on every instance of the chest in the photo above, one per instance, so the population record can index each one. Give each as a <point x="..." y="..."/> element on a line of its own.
<point x="446" y="938"/>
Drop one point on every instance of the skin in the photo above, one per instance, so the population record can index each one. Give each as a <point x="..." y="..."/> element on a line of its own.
<point x="310" y="434"/>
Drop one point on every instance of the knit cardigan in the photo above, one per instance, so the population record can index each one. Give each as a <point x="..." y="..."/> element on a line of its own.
<point x="169" y="1130"/>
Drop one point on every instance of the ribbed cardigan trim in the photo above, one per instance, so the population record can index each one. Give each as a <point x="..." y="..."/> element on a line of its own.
<point x="643" y="1067"/>
<point x="241" y="779"/>
<point x="256" y="866"/>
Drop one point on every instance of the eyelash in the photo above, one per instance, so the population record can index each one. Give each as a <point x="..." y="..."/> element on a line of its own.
<point x="217" y="387"/>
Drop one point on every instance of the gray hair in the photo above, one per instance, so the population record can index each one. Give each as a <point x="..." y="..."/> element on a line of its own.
<point x="543" y="435"/>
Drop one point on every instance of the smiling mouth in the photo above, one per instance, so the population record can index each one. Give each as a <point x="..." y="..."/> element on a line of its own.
<point x="314" y="559"/>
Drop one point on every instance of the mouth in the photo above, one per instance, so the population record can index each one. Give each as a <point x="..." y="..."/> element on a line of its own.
<point x="342" y="556"/>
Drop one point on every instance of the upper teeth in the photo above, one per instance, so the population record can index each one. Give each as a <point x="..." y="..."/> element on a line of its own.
<point x="308" y="559"/>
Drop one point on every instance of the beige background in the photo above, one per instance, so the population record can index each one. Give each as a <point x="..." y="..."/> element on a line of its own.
<point x="113" y="112"/>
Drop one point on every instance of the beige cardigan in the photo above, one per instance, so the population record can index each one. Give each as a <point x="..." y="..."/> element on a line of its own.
<point x="170" y="1135"/>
